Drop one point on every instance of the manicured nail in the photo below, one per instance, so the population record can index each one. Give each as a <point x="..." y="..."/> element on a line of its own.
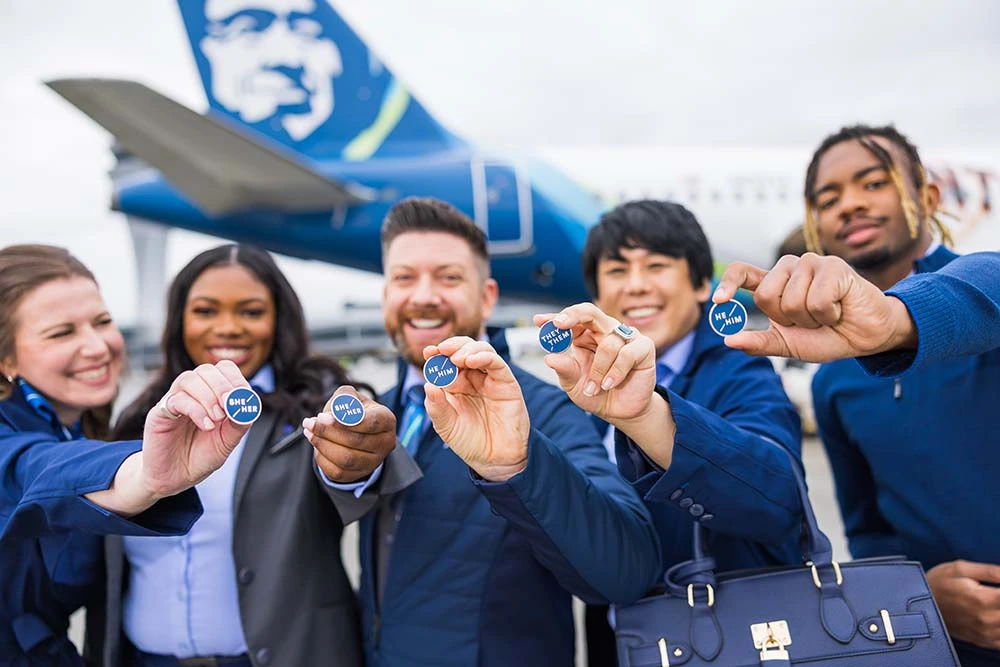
<point x="208" y="423"/>
<point x="608" y="381"/>
<point x="590" y="388"/>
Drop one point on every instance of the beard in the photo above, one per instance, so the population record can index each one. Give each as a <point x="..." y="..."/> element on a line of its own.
<point x="872" y="260"/>
<point x="878" y="259"/>
<point x="415" y="357"/>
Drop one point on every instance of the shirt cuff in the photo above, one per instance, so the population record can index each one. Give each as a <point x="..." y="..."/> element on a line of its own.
<point x="357" y="488"/>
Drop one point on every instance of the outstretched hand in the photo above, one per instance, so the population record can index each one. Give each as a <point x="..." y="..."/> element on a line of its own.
<point x="602" y="373"/>
<point x="819" y="309"/>
<point x="187" y="435"/>
<point x="482" y="414"/>
<point x="348" y="454"/>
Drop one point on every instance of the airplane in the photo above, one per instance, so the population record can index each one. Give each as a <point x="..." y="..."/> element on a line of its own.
<point x="310" y="139"/>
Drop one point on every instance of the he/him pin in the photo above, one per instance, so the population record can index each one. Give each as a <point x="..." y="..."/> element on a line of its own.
<point x="242" y="405"/>
<point x="553" y="339"/>
<point x="727" y="318"/>
<point x="347" y="410"/>
<point x="440" y="371"/>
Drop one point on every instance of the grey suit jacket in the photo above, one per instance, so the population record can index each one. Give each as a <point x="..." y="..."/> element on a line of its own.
<point x="296" y="603"/>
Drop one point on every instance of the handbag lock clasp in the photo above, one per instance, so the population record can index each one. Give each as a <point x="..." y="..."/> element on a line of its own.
<point x="771" y="638"/>
<point x="773" y="650"/>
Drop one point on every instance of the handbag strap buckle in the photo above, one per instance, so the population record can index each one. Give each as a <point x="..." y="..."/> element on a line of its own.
<point x="711" y="595"/>
<point x="836" y="571"/>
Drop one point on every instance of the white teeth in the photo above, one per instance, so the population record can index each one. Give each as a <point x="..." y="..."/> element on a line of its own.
<point x="642" y="312"/>
<point x="228" y="352"/>
<point x="426" y="324"/>
<point x="95" y="374"/>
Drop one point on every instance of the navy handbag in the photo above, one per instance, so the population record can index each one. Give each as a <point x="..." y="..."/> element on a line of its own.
<point x="875" y="612"/>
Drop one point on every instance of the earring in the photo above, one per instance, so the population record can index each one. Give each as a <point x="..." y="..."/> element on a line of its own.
<point x="10" y="378"/>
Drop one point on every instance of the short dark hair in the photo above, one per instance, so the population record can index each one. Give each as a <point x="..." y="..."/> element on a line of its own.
<point x="426" y="214"/>
<point x="662" y="227"/>
<point x="303" y="383"/>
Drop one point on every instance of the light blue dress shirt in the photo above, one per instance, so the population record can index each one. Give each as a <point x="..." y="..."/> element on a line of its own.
<point x="182" y="597"/>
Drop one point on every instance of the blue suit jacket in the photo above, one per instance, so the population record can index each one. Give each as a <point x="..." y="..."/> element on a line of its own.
<point x="50" y="544"/>
<point x="728" y="469"/>
<point x="481" y="573"/>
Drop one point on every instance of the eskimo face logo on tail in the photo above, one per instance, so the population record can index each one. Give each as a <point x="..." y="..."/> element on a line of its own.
<point x="270" y="59"/>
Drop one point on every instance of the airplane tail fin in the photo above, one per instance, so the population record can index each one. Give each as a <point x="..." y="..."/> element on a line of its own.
<point x="295" y="71"/>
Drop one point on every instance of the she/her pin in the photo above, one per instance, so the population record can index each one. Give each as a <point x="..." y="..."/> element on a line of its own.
<point x="347" y="410"/>
<point x="242" y="405"/>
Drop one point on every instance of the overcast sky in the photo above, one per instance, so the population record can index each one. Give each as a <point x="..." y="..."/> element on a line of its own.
<point x="511" y="75"/>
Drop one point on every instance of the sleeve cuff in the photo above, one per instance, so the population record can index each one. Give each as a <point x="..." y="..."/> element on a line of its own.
<point x="357" y="488"/>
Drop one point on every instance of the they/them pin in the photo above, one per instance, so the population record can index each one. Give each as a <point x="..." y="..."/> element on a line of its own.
<point x="553" y="339"/>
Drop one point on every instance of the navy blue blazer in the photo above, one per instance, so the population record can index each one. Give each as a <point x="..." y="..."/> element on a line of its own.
<point x="728" y="470"/>
<point x="50" y="535"/>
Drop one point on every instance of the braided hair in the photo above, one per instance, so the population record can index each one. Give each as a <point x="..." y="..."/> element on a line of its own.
<point x="864" y="134"/>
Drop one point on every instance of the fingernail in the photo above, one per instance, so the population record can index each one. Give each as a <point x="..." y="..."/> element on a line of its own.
<point x="326" y="419"/>
<point x="208" y="423"/>
<point x="309" y="434"/>
<point x="590" y="388"/>
<point x="560" y="319"/>
<point x="608" y="381"/>
<point x="718" y="293"/>
<point x="308" y="423"/>
<point x="217" y="413"/>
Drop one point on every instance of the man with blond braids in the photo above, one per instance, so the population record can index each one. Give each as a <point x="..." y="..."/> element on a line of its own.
<point x="912" y="455"/>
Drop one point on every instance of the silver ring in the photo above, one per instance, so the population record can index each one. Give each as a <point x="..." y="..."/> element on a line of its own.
<point x="166" y="411"/>
<point x="626" y="332"/>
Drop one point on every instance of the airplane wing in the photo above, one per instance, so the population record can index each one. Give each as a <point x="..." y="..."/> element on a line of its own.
<point x="219" y="168"/>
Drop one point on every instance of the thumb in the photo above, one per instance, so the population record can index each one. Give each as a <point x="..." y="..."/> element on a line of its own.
<point x="566" y="368"/>
<point x="232" y="433"/>
<point x="982" y="572"/>
<point x="759" y="343"/>
<point x="440" y="412"/>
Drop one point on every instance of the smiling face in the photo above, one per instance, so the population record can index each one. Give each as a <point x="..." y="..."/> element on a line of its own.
<point x="651" y="292"/>
<point x="229" y="314"/>
<point x="67" y="346"/>
<point x="860" y="212"/>
<point x="434" y="289"/>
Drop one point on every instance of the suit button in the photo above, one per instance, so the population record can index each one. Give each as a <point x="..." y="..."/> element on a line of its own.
<point x="696" y="510"/>
<point x="676" y="494"/>
<point x="263" y="656"/>
<point x="686" y="503"/>
<point x="705" y="518"/>
<point x="245" y="575"/>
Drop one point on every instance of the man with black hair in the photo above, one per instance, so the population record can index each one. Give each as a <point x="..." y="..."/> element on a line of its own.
<point x="913" y="456"/>
<point x="648" y="264"/>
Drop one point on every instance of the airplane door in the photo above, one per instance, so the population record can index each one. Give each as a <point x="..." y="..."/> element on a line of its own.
<point x="501" y="196"/>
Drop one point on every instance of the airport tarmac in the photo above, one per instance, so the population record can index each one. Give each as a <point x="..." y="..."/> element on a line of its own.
<point x="381" y="375"/>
